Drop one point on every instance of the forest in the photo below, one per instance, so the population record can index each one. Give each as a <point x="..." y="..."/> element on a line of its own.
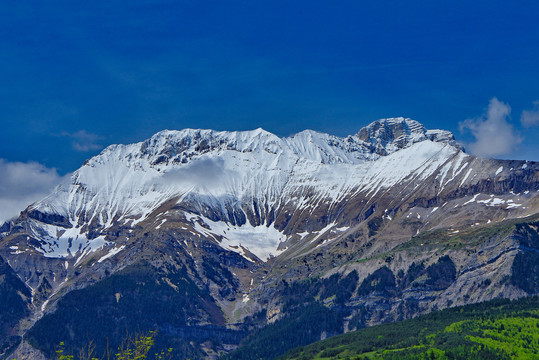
<point x="498" y="329"/>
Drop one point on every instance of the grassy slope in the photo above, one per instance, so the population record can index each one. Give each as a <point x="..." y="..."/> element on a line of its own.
<point x="499" y="329"/>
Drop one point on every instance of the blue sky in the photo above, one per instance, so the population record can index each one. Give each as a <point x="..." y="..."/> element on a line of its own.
<point x="76" y="76"/>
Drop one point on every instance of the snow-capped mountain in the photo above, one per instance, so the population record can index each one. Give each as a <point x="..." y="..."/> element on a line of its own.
<point x="256" y="209"/>
<point x="227" y="174"/>
<point x="249" y="180"/>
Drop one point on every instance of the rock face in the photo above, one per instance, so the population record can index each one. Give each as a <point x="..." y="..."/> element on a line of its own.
<point x="389" y="135"/>
<point x="398" y="216"/>
<point x="15" y="305"/>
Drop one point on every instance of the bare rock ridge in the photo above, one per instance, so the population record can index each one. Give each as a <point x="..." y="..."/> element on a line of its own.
<point x="225" y="232"/>
<point x="389" y="135"/>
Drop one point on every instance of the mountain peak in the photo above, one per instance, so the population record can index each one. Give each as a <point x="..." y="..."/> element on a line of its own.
<point x="175" y="147"/>
<point x="386" y="136"/>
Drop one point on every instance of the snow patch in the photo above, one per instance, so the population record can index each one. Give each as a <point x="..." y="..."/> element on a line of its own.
<point x="322" y="231"/>
<point x="466" y="176"/>
<point x="261" y="240"/>
<point x="111" y="253"/>
<point x="66" y="243"/>
<point x="473" y="199"/>
<point x="493" y="201"/>
<point x="162" y="222"/>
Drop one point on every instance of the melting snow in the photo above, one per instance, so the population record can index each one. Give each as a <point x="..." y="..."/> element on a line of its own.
<point x="323" y="231"/>
<point x="473" y="199"/>
<point x="68" y="242"/>
<point x="466" y="176"/>
<point x="511" y="205"/>
<point x="493" y="201"/>
<point x="500" y="169"/>
<point x="162" y="222"/>
<point x="260" y="240"/>
<point x="111" y="253"/>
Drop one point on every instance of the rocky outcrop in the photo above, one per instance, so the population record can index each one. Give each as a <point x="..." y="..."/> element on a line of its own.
<point x="15" y="306"/>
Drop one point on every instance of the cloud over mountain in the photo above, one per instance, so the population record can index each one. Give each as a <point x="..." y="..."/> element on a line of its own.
<point x="23" y="183"/>
<point x="494" y="134"/>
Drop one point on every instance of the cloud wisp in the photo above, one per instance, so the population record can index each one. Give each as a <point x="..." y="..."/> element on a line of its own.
<point x="494" y="134"/>
<point x="83" y="141"/>
<point x="204" y="174"/>
<point x="530" y="117"/>
<point x="22" y="184"/>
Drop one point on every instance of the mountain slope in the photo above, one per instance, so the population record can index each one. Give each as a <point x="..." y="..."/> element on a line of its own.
<point x="493" y="330"/>
<point x="247" y="216"/>
<point x="15" y="306"/>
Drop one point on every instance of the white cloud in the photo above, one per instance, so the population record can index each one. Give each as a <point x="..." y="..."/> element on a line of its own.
<point x="530" y="117"/>
<point x="22" y="184"/>
<point x="204" y="173"/>
<point x="83" y="141"/>
<point x="493" y="133"/>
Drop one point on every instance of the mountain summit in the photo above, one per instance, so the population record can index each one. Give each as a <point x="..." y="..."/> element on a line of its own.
<point x="389" y="135"/>
<point x="229" y="231"/>
<point x="241" y="178"/>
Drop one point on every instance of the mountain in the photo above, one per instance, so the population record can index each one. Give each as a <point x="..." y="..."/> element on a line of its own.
<point x="230" y="231"/>
<point x="497" y="329"/>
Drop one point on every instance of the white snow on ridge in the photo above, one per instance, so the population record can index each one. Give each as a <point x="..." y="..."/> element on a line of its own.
<point x="126" y="183"/>
<point x="132" y="180"/>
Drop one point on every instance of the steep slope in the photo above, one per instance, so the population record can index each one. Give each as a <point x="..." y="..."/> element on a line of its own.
<point x="497" y="329"/>
<point x="247" y="216"/>
<point x="15" y="305"/>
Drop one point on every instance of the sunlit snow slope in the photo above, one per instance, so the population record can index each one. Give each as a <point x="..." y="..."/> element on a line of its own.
<point x="249" y="183"/>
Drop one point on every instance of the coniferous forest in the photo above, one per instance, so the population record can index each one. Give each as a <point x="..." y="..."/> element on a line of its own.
<point x="498" y="329"/>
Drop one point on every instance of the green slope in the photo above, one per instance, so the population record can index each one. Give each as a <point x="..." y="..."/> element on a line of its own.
<point x="499" y="329"/>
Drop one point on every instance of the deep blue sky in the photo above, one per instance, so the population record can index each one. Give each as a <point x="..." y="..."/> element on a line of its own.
<point x="76" y="76"/>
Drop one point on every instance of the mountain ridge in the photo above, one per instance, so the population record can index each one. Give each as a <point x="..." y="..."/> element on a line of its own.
<point x="169" y="154"/>
<point x="247" y="216"/>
